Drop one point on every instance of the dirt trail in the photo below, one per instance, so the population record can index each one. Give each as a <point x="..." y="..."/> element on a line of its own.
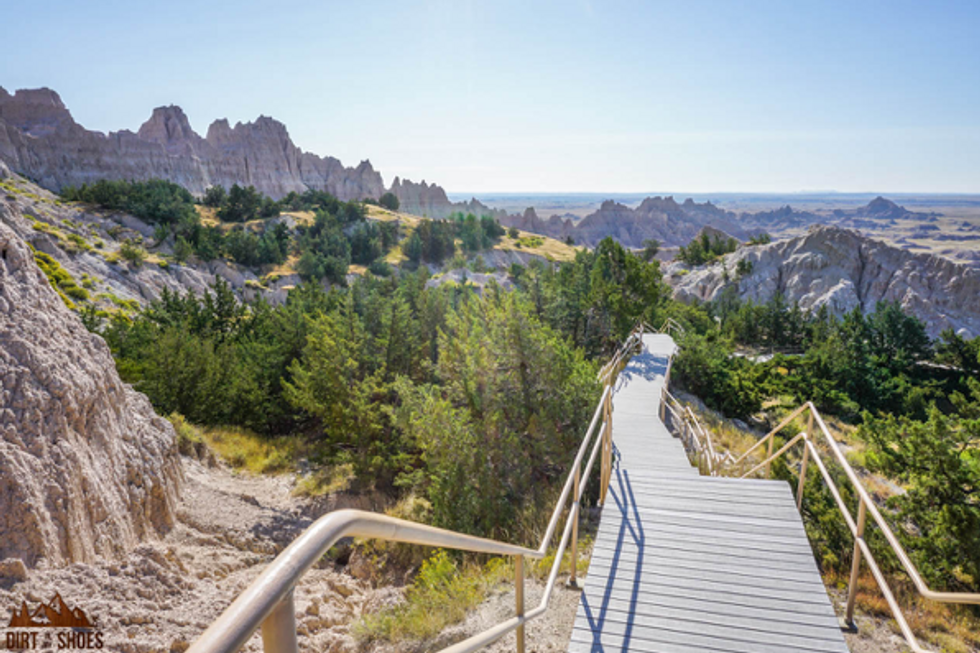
<point x="165" y="593"/>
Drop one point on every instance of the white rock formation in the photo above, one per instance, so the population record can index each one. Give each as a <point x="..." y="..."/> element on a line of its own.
<point x="842" y="269"/>
<point x="87" y="470"/>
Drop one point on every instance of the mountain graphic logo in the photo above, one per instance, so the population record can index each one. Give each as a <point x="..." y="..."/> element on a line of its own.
<point x="53" y="614"/>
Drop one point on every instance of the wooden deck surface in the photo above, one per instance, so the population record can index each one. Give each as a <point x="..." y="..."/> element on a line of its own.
<point x="684" y="562"/>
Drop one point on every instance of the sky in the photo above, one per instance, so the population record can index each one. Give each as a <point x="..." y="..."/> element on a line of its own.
<point x="527" y="96"/>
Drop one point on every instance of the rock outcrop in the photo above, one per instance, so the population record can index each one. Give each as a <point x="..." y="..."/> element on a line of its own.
<point x="431" y="201"/>
<point x="40" y="140"/>
<point x="842" y="269"/>
<point x="554" y="227"/>
<point x="87" y="469"/>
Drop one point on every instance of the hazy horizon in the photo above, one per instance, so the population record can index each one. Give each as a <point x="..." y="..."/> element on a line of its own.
<point x="764" y="97"/>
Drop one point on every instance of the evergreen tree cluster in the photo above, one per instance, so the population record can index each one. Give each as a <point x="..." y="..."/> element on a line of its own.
<point x="705" y="249"/>
<point x="157" y="201"/>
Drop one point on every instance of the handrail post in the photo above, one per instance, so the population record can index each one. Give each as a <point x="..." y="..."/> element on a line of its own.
<point x="772" y="440"/>
<point x="856" y="563"/>
<point x="609" y="446"/>
<point x="574" y="515"/>
<point x="803" y="463"/>
<point x="604" y="464"/>
<point x="606" y="448"/>
<point x="519" y="598"/>
<point x="279" y="628"/>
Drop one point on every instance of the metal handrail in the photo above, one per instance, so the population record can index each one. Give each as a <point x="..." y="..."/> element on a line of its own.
<point x="671" y="325"/>
<point x="268" y="601"/>
<point x="695" y="437"/>
<point x="634" y="338"/>
<point x="866" y="506"/>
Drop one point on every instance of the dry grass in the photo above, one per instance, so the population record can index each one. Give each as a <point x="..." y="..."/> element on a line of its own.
<point x="549" y="248"/>
<point x="324" y="481"/>
<point x="241" y="448"/>
<point x="285" y="268"/>
<point x="306" y="218"/>
<point x="726" y="437"/>
<point x="441" y="595"/>
<point x="384" y="215"/>
<point x="952" y="628"/>
<point x="208" y="215"/>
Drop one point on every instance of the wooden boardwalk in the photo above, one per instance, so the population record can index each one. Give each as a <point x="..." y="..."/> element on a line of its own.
<point x="684" y="562"/>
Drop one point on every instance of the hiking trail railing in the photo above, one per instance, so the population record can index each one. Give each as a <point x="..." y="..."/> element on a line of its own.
<point x="268" y="602"/>
<point x="696" y="438"/>
<point x="866" y="506"/>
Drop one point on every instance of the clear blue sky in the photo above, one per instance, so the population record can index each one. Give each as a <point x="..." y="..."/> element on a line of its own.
<point x="584" y="95"/>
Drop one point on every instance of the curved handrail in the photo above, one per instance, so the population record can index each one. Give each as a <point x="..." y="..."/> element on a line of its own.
<point x="253" y="606"/>
<point x="268" y="601"/>
<point x="866" y="505"/>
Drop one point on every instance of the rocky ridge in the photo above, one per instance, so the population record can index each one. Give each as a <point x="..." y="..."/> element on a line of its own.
<point x="674" y="224"/>
<point x="657" y="218"/>
<point x="87" y="469"/>
<point x="842" y="269"/>
<point x="40" y="140"/>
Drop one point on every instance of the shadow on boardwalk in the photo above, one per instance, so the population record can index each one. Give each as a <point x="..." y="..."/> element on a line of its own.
<point x="630" y="531"/>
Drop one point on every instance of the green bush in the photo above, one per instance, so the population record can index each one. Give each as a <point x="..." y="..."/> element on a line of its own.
<point x="380" y="268"/>
<point x="133" y="252"/>
<point x="76" y="293"/>
<point x="389" y="201"/>
<point x="59" y="278"/>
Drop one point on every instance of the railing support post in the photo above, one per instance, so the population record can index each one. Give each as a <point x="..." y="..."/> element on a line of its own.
<point x="279" y="628"/>
<point x="806" y="458"/>
<point x="519" y="599"/>
<point x="856" y="562"/>
<point x="802" y="484"/>
<point x="772" y="440"/>
<point x="574" y="515"/>
<point x="606" y="475"/>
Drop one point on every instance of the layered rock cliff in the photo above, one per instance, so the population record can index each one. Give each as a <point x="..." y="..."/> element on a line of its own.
<point x="87" y="469"/>
<point x="40" y="140"/>
<point x="842" y="269"/>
